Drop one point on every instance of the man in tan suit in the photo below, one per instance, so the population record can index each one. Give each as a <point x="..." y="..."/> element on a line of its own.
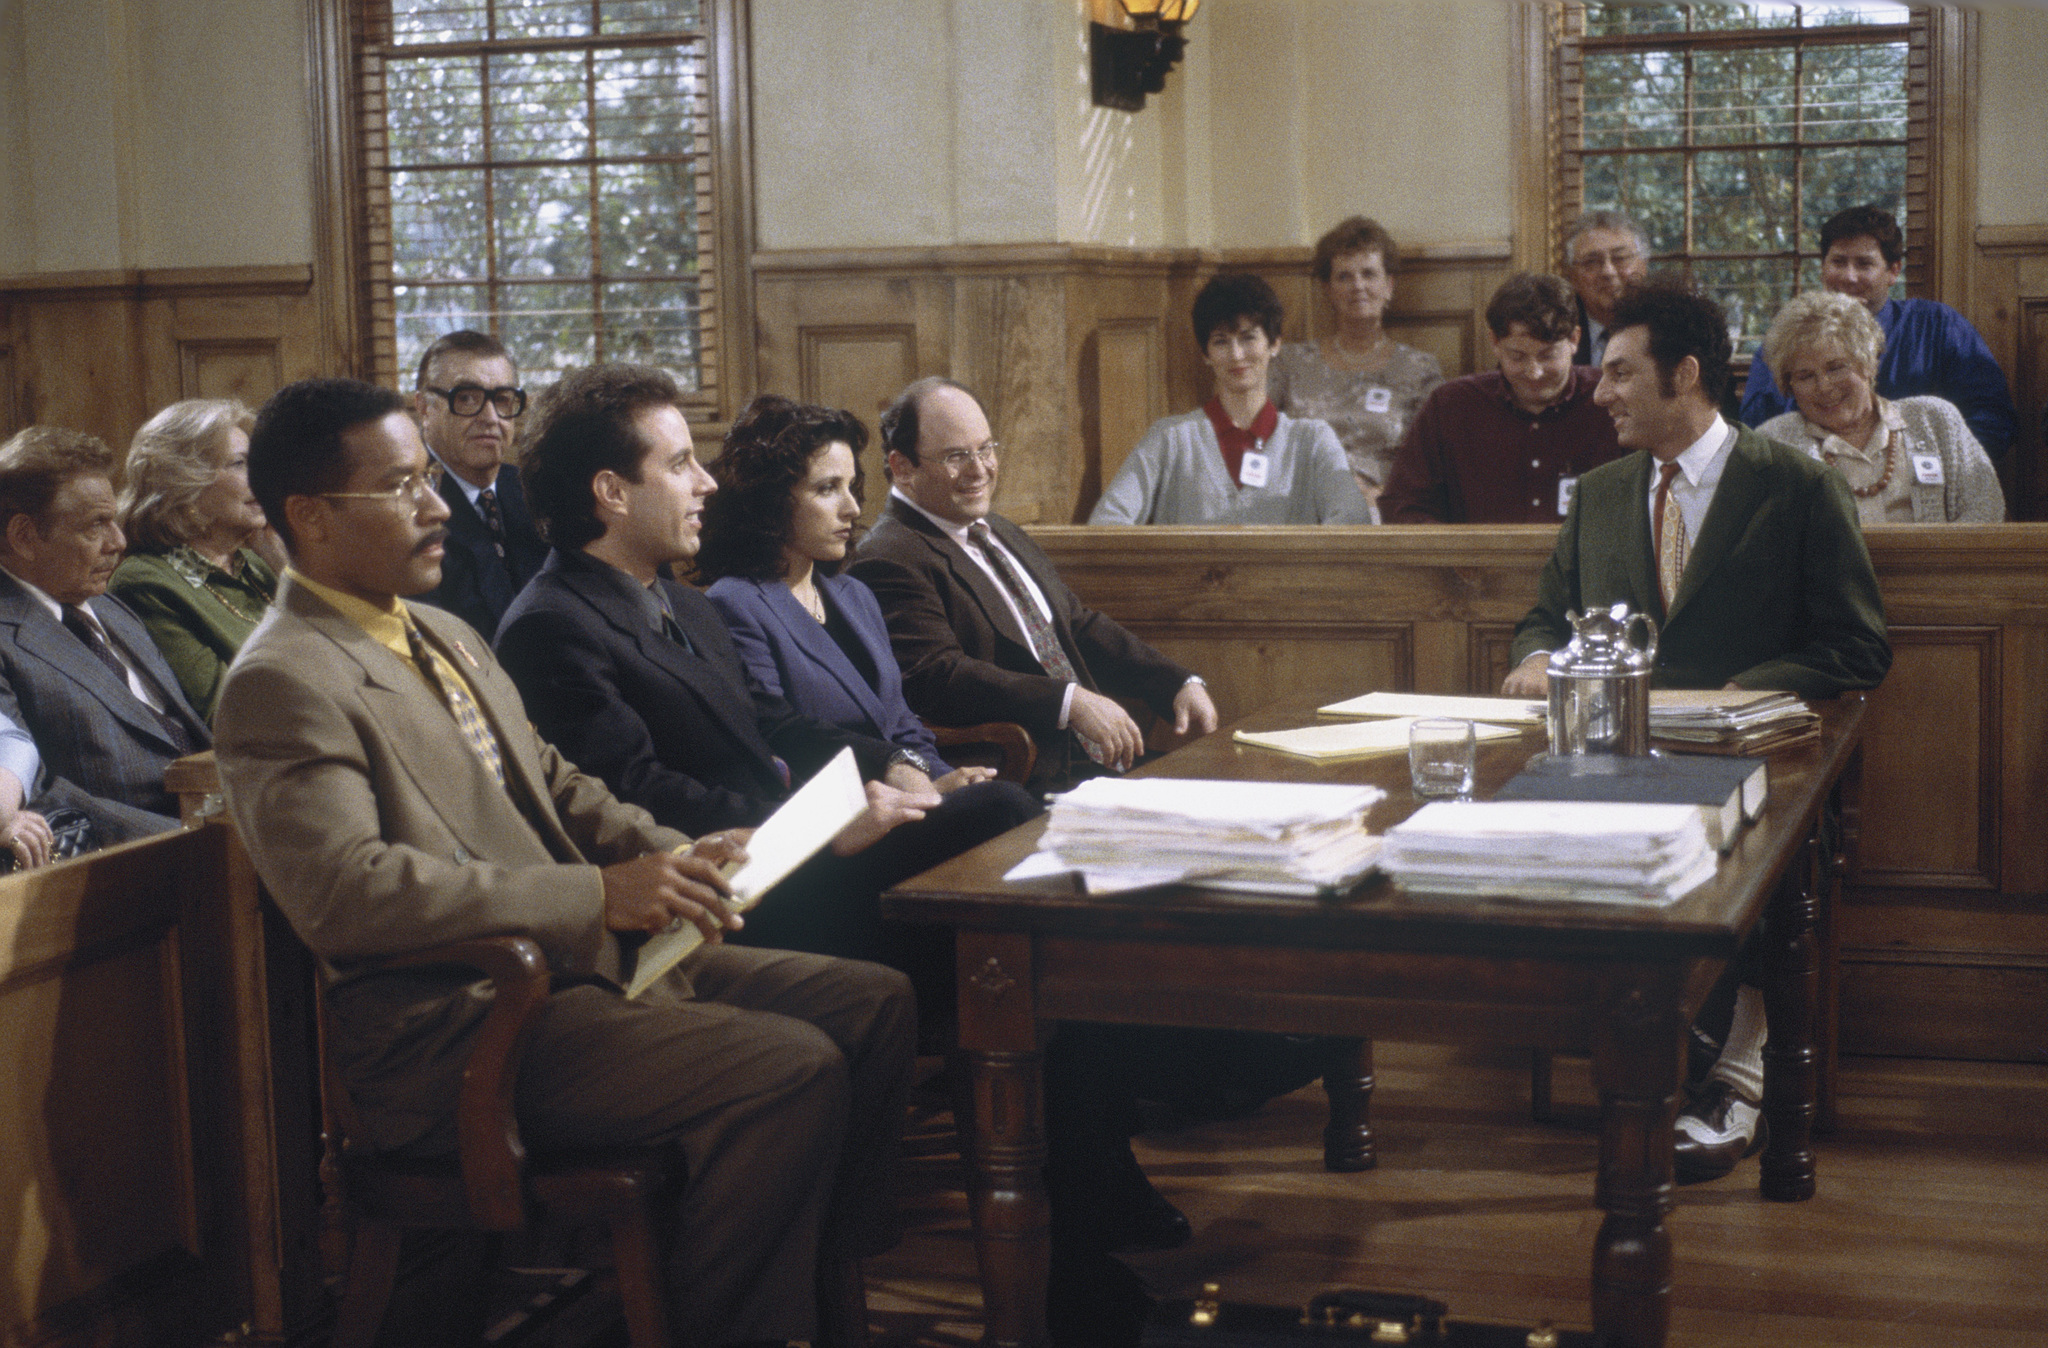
<point x="383" y="772"/>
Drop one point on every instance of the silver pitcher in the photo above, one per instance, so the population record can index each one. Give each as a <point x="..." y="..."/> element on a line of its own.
<point x="1600" y="684"/>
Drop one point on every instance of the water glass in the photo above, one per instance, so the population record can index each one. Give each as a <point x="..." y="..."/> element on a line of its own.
<point x="1440" y="756"/>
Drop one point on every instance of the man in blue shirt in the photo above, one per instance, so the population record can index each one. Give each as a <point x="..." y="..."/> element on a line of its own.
<point x="1928" y="347"/>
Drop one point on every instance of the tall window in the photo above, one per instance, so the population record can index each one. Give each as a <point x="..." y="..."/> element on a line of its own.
<point x="1731" y="131"/>
<point x="542" y="170"/>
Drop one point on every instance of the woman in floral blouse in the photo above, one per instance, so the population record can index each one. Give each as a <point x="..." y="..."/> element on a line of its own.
<point x="1361" y="381"/>
<point x="194" y="572"/>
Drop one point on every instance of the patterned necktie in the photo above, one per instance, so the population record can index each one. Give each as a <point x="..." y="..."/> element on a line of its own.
<point x="1668" y="524"/>
<point x="78" y="625"/>
<point x="443" y="679"/>
<point x="1045" y="643"/>
<point x="487" y="506"/>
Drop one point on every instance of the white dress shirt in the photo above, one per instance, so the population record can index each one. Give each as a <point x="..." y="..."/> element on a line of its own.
<point x="1699" y="472"/>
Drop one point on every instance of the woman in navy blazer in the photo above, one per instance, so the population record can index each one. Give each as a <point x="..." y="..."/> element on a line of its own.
<point x="775" y="534"/>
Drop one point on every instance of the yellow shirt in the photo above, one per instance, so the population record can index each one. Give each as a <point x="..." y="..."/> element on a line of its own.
<point x="386" y="626"/>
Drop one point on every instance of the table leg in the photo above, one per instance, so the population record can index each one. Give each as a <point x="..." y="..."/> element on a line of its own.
<point x="1012" y="1227"/>
<point x="1638" y="1049"/>
<point x="1347" y="1080"/>
<point x="1791" y="1008"/>
<point x="1006" y="1146"/>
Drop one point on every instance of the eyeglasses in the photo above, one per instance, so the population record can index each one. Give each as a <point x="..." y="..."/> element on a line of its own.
<point x="412" y="489"/>
<point x="985" y="452"/>
<point x="466" y="400"/>
<point x="1621" y="259"/>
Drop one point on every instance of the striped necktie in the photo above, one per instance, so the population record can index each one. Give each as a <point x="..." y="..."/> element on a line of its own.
<point x="80" y="626"/>
<point x="443" y="679"/>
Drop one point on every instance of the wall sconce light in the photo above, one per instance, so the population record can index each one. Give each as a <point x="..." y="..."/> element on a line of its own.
<point x="1129" y="63"/>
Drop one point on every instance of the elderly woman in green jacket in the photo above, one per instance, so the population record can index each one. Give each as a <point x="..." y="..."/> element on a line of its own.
<point x="201" y="564"/>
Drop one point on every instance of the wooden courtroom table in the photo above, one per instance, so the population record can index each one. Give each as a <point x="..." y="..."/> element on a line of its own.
<point x="1620" y="983"/>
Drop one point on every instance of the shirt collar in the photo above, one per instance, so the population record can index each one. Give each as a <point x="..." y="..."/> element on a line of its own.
<point x="469" y="489"/>
<point x="1701" y="453"/>
<point x="956" y="532"/>
<point x="385" y="626"/>
<point x="649" y="604"/>
<point x="1889" y="421"/>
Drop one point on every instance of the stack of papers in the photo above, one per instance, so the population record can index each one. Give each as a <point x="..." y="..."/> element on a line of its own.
<point x="1729" y="722"/>
<point x="1587" y="853"/>
<point x="1504" y="710"/>
<point x="1275" y="837"/>
<point x="1352" y="739"/>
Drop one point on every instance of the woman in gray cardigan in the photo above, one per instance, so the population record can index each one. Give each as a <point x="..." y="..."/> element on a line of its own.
<point x="1912" y="460"/>
<point x="1237" y="459"/>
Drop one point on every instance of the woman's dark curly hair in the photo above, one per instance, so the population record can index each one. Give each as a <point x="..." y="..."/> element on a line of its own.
<point x="767" y="455"/>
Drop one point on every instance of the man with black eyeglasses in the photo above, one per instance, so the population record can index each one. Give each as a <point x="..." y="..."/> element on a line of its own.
<point x="468" y="402"/>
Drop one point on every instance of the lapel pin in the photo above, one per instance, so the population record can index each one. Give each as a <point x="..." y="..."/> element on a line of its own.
<point x="463" y="651"/>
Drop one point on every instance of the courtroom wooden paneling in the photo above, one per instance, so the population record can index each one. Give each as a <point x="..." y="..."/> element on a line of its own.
<point x="120" y="1163"/>
<point x="1953" y="895"/>
<point x="104" y="351"/>
<point x="1074" y="350"/>
<point x="2010" y="307"/>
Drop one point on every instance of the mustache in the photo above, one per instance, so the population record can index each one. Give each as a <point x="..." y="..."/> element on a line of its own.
<point x="439" y="535"/>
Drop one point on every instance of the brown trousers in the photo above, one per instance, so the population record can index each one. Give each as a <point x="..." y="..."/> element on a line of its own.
<point x="783" y="1077"/>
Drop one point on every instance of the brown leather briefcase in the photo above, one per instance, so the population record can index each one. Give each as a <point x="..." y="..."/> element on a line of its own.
<point x="1340" y="1319"/>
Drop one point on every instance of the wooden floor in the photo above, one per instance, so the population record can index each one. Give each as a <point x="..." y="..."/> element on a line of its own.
<point x="1930" y="1228"/>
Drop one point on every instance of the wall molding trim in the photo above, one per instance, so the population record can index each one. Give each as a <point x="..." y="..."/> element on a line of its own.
<point x="1009" y="258"/>
<point x="146" y="283"/>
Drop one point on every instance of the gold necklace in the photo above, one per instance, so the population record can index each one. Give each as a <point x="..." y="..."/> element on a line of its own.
<point x="813" y="602"/>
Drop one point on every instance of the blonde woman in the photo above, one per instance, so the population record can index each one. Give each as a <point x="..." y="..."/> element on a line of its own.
<point x="1912" y="460"/>
<point x="195" y="572"/>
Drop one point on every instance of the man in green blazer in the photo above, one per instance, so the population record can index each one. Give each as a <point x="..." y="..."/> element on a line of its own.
<point x="1776" y="588"/>
<point x="1762" y="581"/>
<point x="393" y="795"/>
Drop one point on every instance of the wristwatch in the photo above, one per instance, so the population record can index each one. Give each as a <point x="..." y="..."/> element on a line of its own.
<point x="912" y="758"/>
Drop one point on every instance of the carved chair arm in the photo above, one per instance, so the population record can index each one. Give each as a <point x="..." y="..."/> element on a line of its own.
<point x="492" y="1156"/>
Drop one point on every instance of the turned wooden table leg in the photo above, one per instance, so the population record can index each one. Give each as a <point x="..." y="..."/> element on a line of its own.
<point x="1006" y="1146"/>
<point x="1637" y="1057"/>
<point x="1791" y="1008"/>
<point x="1347" y="1138"/>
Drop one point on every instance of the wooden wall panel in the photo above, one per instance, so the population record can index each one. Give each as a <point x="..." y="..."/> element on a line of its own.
<point x="1946" y="929"/>
<point x="2009" y="305"/>
<point x="1074" y="351"/>
<point x="1930" y="741"/>
<point x="104" y="351"/>
<point x="860" y="368"/>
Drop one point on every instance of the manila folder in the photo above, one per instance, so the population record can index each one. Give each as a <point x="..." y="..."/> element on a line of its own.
<point x="806" y="822"/>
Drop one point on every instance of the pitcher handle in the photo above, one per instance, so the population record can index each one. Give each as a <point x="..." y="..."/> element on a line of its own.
<point x="1650" y="625"/>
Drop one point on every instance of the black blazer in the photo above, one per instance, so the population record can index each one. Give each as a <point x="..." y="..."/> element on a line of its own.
<point x="477" y="585"/>
<point x="964" y="658"/>
<point x="675" y="731"/>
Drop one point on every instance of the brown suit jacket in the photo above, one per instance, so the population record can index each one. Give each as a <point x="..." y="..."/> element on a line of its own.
<point x="378" y="830"/>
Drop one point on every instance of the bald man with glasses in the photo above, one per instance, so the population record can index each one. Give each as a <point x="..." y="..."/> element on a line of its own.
<point x="468" y="403"/>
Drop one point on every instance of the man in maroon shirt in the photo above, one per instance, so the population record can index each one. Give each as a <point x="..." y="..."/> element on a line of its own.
<point x="1507" y="446"/>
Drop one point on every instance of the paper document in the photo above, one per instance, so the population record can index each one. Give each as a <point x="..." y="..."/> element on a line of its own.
<point x="806" y="822"/>
<point x="1508" y="710"/>
<point x="1352" y="739"/>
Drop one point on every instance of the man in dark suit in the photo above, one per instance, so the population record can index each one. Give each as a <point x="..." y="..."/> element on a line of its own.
<point x="468" y="402"/>
<point x="77" y="668"/>
<point x="393" y="796"/>
<point x="982" y="624"/>
<point x="1749" y="556"/>
<point x="636" y="678"/>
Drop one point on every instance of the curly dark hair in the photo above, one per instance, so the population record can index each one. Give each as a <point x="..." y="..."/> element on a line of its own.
<point x="1682" y="322"/>
<point x="768" y="454"/>
<point x="1233" y="295"/>
<point x="582" y="426"/>
<point x="1543" y="304"/>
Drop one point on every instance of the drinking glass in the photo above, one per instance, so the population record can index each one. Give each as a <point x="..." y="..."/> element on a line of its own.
<point x="1440" y="755"/>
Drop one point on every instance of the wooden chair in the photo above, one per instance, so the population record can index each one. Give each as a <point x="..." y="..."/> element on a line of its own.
<point x="1008" y="743"/>
<point x="492" y="1185"/>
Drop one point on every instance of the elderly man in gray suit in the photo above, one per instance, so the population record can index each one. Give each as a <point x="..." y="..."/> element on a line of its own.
<point x="77" y="669"/>
<point x="394" y="796"/>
